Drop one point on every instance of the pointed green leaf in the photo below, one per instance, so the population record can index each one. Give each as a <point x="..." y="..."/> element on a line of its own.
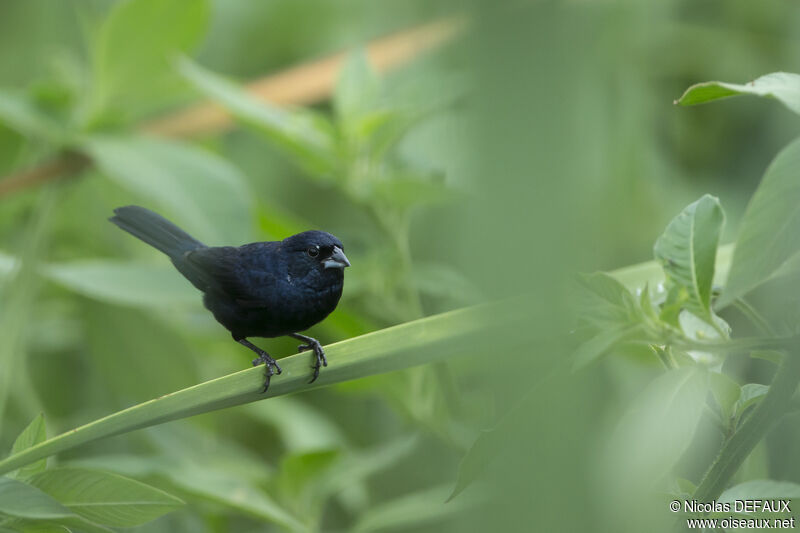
<point x="602" y="343"/>
<point x="357" y="88"/>
<point x="126" y="283"/>
<point x="30" y="436"/>
<point x="752" y="393"/>
<point x="19" y="113"/>
<point x="604" y="300"/>
<point x="761" y="489"/>
<point x="422" y="341"/>
<point x="687" y="251"/>
<point x="305" y="136"/>
<point x="726" y="393"/>
<point x="136" y="44"/>
<point x="660" y="424"/>
<point x="415" y="509"/>
<point x="201" y="190"/>
<point x="24" y="501"/>
<point x="105" y="498"/>
<point x="769" y="234"/>
<point x="783" y="86"/>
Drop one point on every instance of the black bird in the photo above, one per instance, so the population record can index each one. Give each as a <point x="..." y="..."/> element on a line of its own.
<point x="262" y="289"/>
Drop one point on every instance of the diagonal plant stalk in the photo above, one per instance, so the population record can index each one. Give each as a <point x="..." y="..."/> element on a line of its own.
<point x="413" y="343"/>
<point x="736" y="449"/>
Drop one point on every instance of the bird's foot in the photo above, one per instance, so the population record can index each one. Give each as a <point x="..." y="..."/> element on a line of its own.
<point x="271" y="368"/>
<point x="319" y="353"/>
<point x="271" y="365"/>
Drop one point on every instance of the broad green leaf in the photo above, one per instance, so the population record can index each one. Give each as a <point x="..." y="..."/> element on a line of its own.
<point x="105" y="498"/>
<point x="685" y="486"/>
<point x="301" y="426"/>
<point x="18" y="112"/>
<point x="356" y="467"/>
<point x="68" y="524"/>
<point x="25" y="501"/>
<point x="136" y="45"/>
<point x="219" y="486"/>
<point x="751" y="394"/>
<point x="422" y="341"/>
<point x="30" y="436"/>
<point x="783" y="86"/>
<point x="769" y="234"/>
<point x="726" y="393"/>
<point x="202" y="190"/>
<point x="443" y="281"/>
<point x="478" y="455"/>
<point x="659" y="426"/>
<point x="303" y="135"/>
<point x="413" y="510"/>
<point x="604" y="300"/>
<point x="357" y="89"/>
<point x="602" y="343"/>
<point x="687" y="250"/>
<point x="761" y="489"/>
<point x="299" y="471"/>
<point x="125" y="283"/>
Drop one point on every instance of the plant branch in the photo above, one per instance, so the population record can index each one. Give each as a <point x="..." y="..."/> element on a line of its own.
<point x="413" y="343"/>
<point x="305" y="84"/>
<point x="738" y="447"/>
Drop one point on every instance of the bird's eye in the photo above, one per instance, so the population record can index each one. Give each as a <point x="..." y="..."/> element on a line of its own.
<point x="313" y="251"/>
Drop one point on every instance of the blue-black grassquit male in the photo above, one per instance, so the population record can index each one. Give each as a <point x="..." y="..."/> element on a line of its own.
<point x="263" y="289"/>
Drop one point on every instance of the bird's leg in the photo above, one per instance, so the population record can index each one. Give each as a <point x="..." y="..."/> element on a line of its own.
<point x="263" y="357"/>
<point x="312" y="344"/>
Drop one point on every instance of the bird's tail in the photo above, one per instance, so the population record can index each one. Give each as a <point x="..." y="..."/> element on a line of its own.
<point x="155" y="230"/>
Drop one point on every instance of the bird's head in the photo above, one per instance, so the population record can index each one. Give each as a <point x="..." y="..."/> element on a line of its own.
<point x="317" y="248"/>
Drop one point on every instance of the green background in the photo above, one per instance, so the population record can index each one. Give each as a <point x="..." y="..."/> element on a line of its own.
<point x="541" y="141"/>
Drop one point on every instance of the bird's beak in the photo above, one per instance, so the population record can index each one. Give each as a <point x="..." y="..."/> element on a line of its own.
<point x="337" y="259"/>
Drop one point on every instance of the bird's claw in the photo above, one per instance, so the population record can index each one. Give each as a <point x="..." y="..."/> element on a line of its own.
<point x="271" y="367"/>
<point x="319" y="353"/>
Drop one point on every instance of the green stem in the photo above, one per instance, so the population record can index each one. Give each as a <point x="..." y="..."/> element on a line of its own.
<point x="413" y="343"/>
<point x="738" y="447"/>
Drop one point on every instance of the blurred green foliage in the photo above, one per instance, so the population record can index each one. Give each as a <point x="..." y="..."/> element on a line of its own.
<point x="540" y="142"/>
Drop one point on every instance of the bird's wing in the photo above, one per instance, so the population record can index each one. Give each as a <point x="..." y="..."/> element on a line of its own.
<point x="221" y="270"/>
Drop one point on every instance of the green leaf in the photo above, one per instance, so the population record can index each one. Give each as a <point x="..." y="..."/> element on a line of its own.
<point x="687" y="250"/>
<point x="24" y="501"/>
<point x="202" y="190"/>
<point x="125" y="283"/>
<point x="761" y="489"/>
<point x="105" y="498"/>
<point x="726" y="393"/>
<point x="218" y="485"/>
<point x="659" y="427"/>
<point x="300" y="471"/>
<point x="301" y="426"/>
<point x="751" y="394"/>
<point x="357" y="89"/>
<point x="602" y="343"/>
<point x="783" y="86"/>
<point x="769" y="234"/>
<point x="412" y="510"/>
<point x="19" y="113"/>
<point x="30" y="436"/>
<point x="423" y="341"/>
<point x="135" y="46"/>
<point x="305" y="136"/>
<point x="443" y="281"/>
<point x="605" y="301"/>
